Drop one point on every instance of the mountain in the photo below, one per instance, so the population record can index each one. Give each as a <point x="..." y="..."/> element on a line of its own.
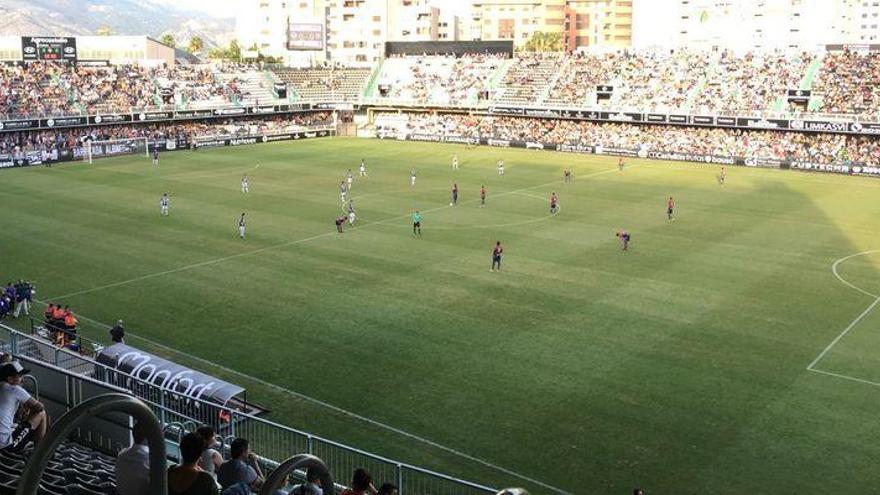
<point x="125" y="17"/>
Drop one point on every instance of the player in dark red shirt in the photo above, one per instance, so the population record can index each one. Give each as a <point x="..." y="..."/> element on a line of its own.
<point x="482" y="196"/>
<point x="497" y="251"/>
<point x="340" y="222"/>
<point x="554" y="206"/>
<point x="670" y="205"/>
<point x="620" y="164"/>
<point x="454" y="195"/>
<point x="566" y="175"/>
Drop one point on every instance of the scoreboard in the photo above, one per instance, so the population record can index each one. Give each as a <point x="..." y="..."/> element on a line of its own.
<point x="305" y="36"/>
<point x="46" y="48"/>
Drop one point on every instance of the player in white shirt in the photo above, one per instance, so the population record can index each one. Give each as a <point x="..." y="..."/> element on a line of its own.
<point x="241" y="226"/>
<point x="352" y="215"/>
<point x="342" y="191"/>
<point x="412" y="178"/>
<point x="500" y="167"/>
<point x="363" y="168"/>
<point x="163" y="205"/>
<point x="350" y="178"/>
<point x="244" y="184"/>
<point x="454" y="162"/>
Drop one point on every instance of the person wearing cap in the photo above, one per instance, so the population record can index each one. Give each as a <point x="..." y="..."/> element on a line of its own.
<point x="13" y="395"/>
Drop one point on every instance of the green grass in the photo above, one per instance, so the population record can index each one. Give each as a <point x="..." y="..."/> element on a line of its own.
<point x="679" y="366"/>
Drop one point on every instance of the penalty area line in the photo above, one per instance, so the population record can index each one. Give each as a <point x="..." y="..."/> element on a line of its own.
<point x="851" y="326"/>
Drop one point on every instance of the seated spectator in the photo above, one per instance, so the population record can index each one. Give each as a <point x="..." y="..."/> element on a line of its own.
<point x="133" y="465"/>
<point x="187" y="478"/>
<point x="211" y="460"/>
<point x="117" y="333"/>
<point x="361" y="484"/>
<point x="13" y="396"/>
<point x="241" y="473"/>
<point x="312" y="486"/>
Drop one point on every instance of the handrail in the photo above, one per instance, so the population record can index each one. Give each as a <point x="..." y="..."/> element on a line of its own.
<point x="114" y="402"/>
<point x="279" y="474"/>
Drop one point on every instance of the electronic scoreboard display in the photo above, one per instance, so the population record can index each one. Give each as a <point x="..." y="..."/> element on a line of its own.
<point x="46" y="48"/>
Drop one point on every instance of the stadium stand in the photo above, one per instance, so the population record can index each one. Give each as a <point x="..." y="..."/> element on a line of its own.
<point x="814" y="148"/>
<point x="327" y="83"/>
<point x="673" y="81"/>
<point x="24" y="141"/>
<point x="437" y="79"/>
<point x="849" y="83"/>
<point x="528" y="79"/>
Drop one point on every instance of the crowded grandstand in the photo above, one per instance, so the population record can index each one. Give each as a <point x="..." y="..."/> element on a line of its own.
<point x="793" y="109"/>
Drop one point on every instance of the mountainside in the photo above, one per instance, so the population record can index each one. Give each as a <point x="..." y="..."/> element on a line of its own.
<point x="125" y="17"/>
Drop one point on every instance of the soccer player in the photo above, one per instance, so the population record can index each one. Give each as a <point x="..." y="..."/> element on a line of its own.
<point x="156" y="155"/>
<point x="670" y="205"/>
<point x="620" y="164"/>
<point x="241" y="226"/>
<point x="340" y="222"/>
<point x="500" y="167"/>
<point x="417" y="223"/>
<point x="454" y="162"/>
<point x="342" y="191"/>
<point x="163" y="205"/>
<point x="244" y="184"/>
<point x="482" y="196"/>
<point x="554" y="204"/>
<point x="454" y="195"/>
<point x="723" y="176"/>
<point x="363" y="169"/>
<point x="352" y="215"/>
<point x="350" y="178"/>
<point x="624" y="239"/>
<point x="497" y="251"/>
<point x="566" y="176"/>
<point x="412" y="178"/>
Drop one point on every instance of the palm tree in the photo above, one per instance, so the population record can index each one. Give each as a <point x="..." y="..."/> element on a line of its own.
<point x="168" y="39"/>
<point x="195" y="44"/>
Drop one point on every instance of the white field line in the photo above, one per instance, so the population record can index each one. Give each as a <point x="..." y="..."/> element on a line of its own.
<point x="294" y="242"/>
<point x="845" y="377"/>
<point x="852" y="325"/>
<point x="331" y="407"/>
<point x="843" y="334"/>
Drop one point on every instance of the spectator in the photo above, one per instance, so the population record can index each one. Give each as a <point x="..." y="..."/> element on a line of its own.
<point x="211" y="460"/>
<point x="133" y="465"/>
<point x="12" y="397"/>
<point x="117" y="333"/>
<point x="241" y="473"/>
<point x="312" y="486"/>
<point x="187" y="478"/>
<point x="361" y="484"/>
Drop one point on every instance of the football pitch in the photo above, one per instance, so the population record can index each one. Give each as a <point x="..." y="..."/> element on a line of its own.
<point x="735" y="349"/>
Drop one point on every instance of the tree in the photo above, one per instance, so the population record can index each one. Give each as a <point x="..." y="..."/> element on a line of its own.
<point x="233" y="52"/>
<point x="544" y="42"/>
<point x="195" y="44"/>
<point x="168" y="39"/>
<point x="104" y="30"/>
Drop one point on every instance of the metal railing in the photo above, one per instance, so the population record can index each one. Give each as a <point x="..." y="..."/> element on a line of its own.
<point x="272" y="441"/>
<point x="92" y="407"/>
